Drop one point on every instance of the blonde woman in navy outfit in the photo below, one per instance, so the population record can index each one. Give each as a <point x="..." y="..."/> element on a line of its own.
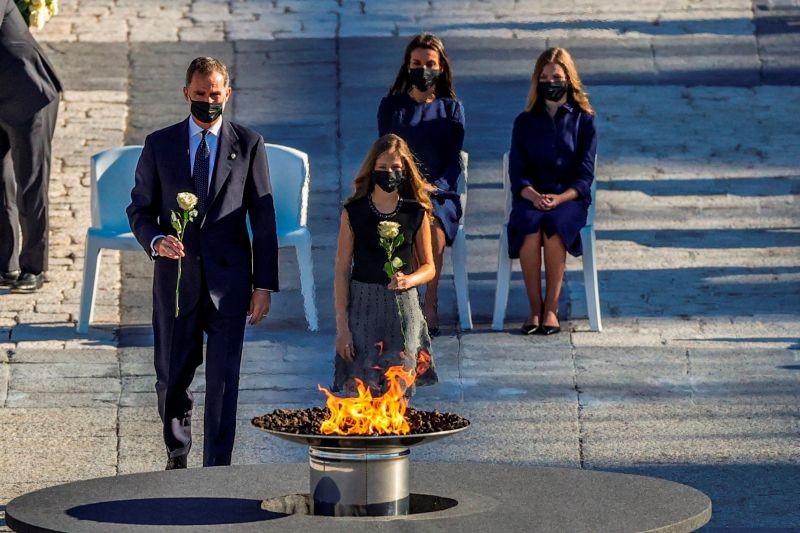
<point x="422" y="108"/>
<point x="551" y="168"/>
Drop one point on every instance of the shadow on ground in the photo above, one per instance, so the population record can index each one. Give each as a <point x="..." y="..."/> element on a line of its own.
<point x="770" y="501"/>
<point x="181" y="512"/>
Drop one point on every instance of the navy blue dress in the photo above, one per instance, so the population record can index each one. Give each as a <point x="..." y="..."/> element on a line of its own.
<point x="435" y="133"/>
<point x="551" y="155"/>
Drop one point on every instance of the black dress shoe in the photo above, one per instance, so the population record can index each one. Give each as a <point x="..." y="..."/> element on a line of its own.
<point x="28" y="282"/>
<point x="529" y="329"/>
<point x="549" y="330"/>
<point x="176" y="463"/>
<point x="7" y="279"/>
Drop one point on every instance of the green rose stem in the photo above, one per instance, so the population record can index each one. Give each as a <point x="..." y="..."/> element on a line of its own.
<point x="186" y="201"/>
<point x="393" y="265"/>
<point x="180" y="263"/>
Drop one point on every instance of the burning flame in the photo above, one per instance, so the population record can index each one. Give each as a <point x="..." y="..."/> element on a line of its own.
<point x="365" y="415"/>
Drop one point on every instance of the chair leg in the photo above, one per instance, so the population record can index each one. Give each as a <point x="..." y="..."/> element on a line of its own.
<point x="590" y="278"/>
<point x="503" y="281"/>
<point x="460" y="278"/>
<point x="91" y="264"/>
<point x="306" y="264"/>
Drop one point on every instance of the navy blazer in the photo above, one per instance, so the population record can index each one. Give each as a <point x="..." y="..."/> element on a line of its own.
<point x="217" y="246"/>
<point x="28" y="81"/>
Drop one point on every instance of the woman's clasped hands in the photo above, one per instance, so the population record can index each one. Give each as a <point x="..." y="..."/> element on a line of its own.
<point x="546" y="202"/>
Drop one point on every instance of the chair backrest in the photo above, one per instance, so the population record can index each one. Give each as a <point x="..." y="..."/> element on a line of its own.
<point x="461" y="186"/>
<point x="508" y="196"/>
<point x="113" y="176"/>
<point x="289" y="176"/>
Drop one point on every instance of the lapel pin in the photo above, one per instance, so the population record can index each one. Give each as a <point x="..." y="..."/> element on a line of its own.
<point x="232" y="156"/>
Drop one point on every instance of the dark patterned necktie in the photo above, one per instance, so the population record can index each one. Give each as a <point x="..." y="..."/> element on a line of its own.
<point x="200" y="173"/>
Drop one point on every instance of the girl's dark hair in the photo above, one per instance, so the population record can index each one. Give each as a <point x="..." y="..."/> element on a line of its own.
<point x="444" y="85"/>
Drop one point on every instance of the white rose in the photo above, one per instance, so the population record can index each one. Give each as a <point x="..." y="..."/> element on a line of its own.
<point x="388" y="230"/>
<point x="397" y="263"/>
<point x="186" y="200"/>
<point x="38" y="18"/>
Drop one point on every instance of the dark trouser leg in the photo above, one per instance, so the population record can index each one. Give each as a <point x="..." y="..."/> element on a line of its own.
<point x="9" y="220"/>
<point x="178" y="353"/>
<point x="31" y="144"/>
<point x="223" y="359"/>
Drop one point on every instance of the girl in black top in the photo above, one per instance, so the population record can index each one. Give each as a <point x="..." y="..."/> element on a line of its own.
<point x="379" y="322"/>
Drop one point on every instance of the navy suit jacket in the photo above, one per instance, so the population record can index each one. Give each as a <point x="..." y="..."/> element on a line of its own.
<point x="218" y="245"/>
<point x="28" y="81"/>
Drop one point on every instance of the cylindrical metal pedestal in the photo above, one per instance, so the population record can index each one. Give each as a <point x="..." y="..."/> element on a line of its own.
<point x="359" y="481"/>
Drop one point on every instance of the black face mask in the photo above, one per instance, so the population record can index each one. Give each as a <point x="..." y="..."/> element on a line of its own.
<point x="552" y="90"/>
<point x="388" y="180"/>
<point x="206" y="112"/>
<point x="423" y="78"/>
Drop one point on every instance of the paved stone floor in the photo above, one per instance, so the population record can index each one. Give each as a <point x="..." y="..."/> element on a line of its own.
<point x="695" y="377"/>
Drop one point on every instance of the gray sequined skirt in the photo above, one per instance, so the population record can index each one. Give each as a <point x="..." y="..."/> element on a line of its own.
<point x="378" y="318"/>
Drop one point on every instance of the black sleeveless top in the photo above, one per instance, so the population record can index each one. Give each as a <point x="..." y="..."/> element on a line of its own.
<point x="368" y="256"/>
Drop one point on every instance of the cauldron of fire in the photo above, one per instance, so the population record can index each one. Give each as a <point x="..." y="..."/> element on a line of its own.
<point x="359" y="447"/>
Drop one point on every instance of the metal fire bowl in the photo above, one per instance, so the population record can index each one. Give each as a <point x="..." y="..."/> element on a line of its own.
<point x="363" y="441"/>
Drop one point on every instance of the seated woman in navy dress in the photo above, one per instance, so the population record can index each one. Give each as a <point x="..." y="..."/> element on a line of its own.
<point x="551" y="168"/>
<point x="422" y="108"/>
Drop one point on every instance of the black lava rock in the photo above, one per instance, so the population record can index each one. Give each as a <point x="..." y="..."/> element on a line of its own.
<point x="308" y="421"/>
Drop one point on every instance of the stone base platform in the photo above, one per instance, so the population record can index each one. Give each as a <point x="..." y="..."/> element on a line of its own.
<point x="490" y="497"/>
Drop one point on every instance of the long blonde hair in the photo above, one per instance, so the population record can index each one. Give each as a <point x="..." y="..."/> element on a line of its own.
<point x="561" y="57"/>
<point x="412" y="188"/>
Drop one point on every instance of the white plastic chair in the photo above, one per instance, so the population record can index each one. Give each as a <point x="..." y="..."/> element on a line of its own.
<point x="289" y="176"/>
<point x="458" y="252"/>
<point x="504" y="265"/>
<point x="113" y="174"/>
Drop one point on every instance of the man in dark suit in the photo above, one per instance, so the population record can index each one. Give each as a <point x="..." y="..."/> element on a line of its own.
<point x="29" y="95"/>
<point x="224" y="277"/>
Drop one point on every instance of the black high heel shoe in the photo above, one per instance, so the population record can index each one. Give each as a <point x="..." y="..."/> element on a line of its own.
<point x="549" y="330"/>
<point x="530" y="329"/>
